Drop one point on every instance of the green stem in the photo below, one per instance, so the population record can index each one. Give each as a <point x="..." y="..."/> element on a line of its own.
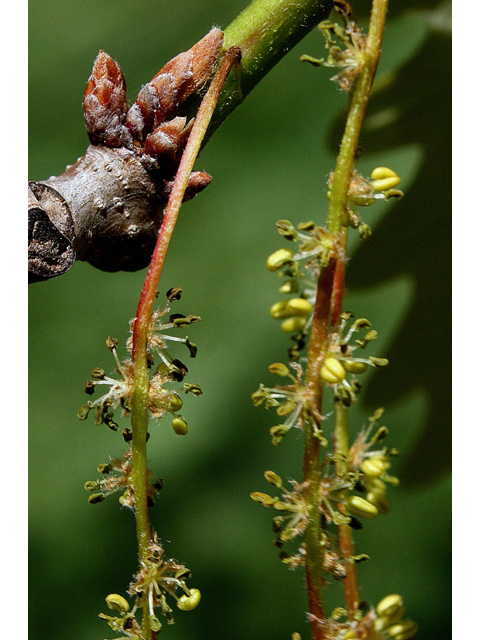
<point x="345" y="538"/>
<point x="265" y="31"/>
<point x="326" y="317"/>
<point x="356" y="115"/>
<point x="336" y="216"/>
<point x="141" y="327"/>
<point x="318" y="344"/>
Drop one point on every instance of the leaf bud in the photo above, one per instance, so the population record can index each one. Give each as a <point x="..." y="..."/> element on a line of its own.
<point x="180" y="426"/>
<point x="279" y="369"/>
<point x="187" y="603"/>
<point x="117" y="603"/>
<point x="298" y="307"/>
<point x="403" y="630"/>
<point x="279" y="258"/>
<point x="332" y="371"/>
<point x="380" y="501"/>
<point x="273" y="478"/>
<point x="374" y="466"/>
<point x="352" y="366"/>
<point x="293" y="324"/>
<point x="361" y="508"/>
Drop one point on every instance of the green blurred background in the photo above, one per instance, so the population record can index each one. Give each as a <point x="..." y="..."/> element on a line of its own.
<point x="269" y="161"/>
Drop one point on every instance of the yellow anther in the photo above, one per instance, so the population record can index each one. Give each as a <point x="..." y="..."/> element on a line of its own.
<point x="374" y="466"/>
<point x="355" y="367"/>
<point x="389" y="605"/>
<point x="279" y="368"/>
<point x="298" y="307"/>
<point x="333" y="371"/>
<point x="279" y="258"/>
<point x="379" y="500"/>
<point x="361" y="508"/>
<point x="293" y="324"/>
<point x="180" y="426"/>
<point x="273" y="478"/>
<point x="176" y="403"/>
<point x="379" y="173"/>
<point x="384" y="178"/>
<point x="117" y="602"/>
<point x="187" y="603"/>
<point x="403" y="630"/>
<point x="279" y="310"/>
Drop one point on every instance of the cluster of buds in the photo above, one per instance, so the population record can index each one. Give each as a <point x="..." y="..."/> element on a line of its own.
<point x="159" y="578"/>
<point x="340" y="359"/>
<point x="364" y="192"/>
<point x="390" y="620"/>
<point x="117" y="476"/>
<point x="349" y="57"/>
<point x="161" y="400"/>
<point x="107" y="208"/>
<point x="291" y="401"/>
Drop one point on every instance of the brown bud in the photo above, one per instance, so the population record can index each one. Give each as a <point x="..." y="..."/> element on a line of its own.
<point x="105" y="103"/>
<point x="197" y="182"/>
<point x="168" y="140"/>
<point x="173" y="84"/>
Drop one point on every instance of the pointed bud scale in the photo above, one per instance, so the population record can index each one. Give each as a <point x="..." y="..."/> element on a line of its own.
<point x="105" y="103"/>
<point x="169" y="139"/>
<point x="173" y="84"/>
